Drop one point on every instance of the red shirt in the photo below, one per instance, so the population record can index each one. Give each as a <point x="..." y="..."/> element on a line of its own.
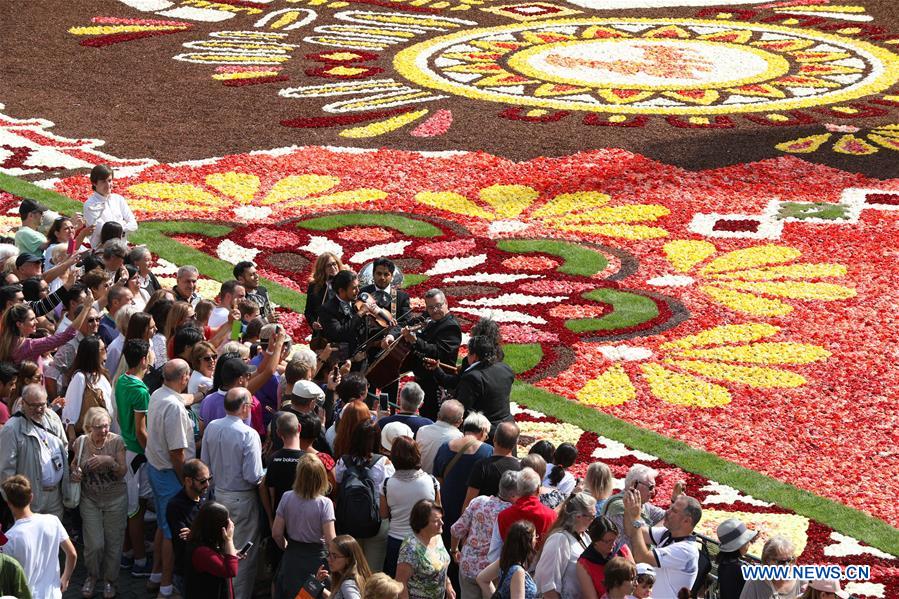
<point x="527" y="508"/>
<point x="595" y="565"/>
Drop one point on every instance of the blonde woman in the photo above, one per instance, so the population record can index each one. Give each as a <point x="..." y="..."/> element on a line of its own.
<point x="303" y="527"/>
<point x="349" y="570"/>
<point x="556" y="572"/>
<point x="381" y="586"/>
<point x="598" y="483"/>
<point x="99" y="464"/>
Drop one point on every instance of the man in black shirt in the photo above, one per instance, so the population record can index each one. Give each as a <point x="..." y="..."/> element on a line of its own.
<point x="283" y="466"/>
<point x="484" y="478"/>
<point x="181" y="511"/>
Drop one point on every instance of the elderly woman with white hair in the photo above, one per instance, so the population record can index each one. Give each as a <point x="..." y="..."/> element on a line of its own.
<point x="642" y="478"/>
<point x="778" y="551"/>
<point x="99" y="465"/>
<point x="556" y="572"/>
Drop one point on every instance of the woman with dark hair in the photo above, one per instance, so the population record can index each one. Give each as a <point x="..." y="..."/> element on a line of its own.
<point x="111" y="230"/>
<point x="19" y="322"/>
<point x="399" y="494"/>
<point x="349" y="570"/>
<point x="63" y="230"/>
<point x="88" y="385"/>
<point x="160" y="313"/>
<point x="591" y="566"/>
<point x="319" y="290"/>
<point x="558" y="475"/>
<point x="362" y="454"/>
<point x="139" y="295"/>
<point x="545" y="449"/>
<point x="423" y="561"/>
<point x="212" y="558"/>
<point x="519" y="549"/>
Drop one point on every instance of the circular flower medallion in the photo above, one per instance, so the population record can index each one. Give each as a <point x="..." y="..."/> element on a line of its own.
<point x="652" y="66"/>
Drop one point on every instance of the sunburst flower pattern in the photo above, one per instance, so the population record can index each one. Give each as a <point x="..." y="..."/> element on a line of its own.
<point x="754" y="280"/>
<point x="510" y="208"/>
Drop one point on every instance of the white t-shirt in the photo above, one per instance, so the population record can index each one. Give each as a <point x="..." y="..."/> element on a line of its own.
<point x="381" y="470"/>
<point x="218" y="317"/>
<point x="99" y="210"/>
<point x="404" y="490"/>
<point x="34" y="542"/>
<point x="678" y="562"/>
<point x="430" y="437"/>
<point x="75" y="393"/>
<point x="565" y="486"/>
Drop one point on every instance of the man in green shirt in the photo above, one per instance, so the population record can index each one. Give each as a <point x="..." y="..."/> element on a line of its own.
<point x="12" y="579"/>
<point x="28" y="238"/>
<point x="132" y="400"/>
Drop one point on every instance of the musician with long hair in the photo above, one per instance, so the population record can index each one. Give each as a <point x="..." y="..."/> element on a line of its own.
<point x="327" y="265"/>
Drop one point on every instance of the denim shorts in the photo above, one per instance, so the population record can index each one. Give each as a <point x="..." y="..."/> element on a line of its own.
<point x="165" y="485"/>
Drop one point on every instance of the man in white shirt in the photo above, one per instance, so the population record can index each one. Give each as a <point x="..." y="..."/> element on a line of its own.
<point x="431" y="436"/>
<point x="35" y="540"/>
<point x="104" y="206"/>
<point x="675" y="555"/>
<point x="234" y="455"/>
<point x="170" y="443"/>
<point x="230" y="292"/>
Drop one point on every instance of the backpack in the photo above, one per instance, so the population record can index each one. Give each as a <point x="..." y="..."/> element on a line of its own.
<point x="358" y="504"/>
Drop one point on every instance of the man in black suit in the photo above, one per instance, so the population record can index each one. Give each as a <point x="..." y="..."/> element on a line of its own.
<point x="484" y="383"/>
<point x="340" y="322"/>
<point x="439" y="340"/>
<point x="388" y="297"/>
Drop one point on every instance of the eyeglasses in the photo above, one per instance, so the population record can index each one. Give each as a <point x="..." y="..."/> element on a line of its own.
<point x="784" y="561"/>
<point x="203" y="481"/>
<point x="212" y="358"/>
<point x="93" y="320"/>
<point x="100" y="427"/>
<point x="647" y="485"/>
<point x="435" y="306"/>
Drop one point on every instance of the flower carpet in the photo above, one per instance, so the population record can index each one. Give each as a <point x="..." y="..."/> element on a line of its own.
<point x="683" y="213"/>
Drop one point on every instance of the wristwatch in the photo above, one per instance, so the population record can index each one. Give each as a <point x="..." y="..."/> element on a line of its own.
<point x="638" y="523"/>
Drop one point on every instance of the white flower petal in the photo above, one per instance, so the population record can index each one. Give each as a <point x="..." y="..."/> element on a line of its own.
<point x="516" y="409"/>
<point x="610" y="449"/>
<point x="252" y="213"/>
<point x="445" y="265"/>
<point x="719" y="493"/>
<point x="501" y="315"/>
<point x="868" y="589"/>
<point x="319" y="245"/>
<point x="507" y="226"/>
<point x="233" y="253"/>
<point x="514" y="299"/>
<point x="848" y="546"/>
<point x="395" y="248"/>
<point x="671" y="281"/>
<point x="624" y="353"/>
<point x="478" y="277"/>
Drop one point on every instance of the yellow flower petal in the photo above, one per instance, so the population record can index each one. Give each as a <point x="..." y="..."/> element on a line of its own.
<point x="729" y="333"/>
<point x="621" y="231"/>
<point x="509" y="201"/>
<point x="788" y="271"/>
<point x="299" y="186"/>
<point x="145" y="205"/>
<point x="684" y="389"/>
<point x="754" y="376"/>
<point x="751" y="257"/>
<point x="747" y="302"/>
<point x="353" y="196"/>
<point x="569" y="202"/>
<point x="793" y="527"/>
<point x="762" y="353"/>
<point x="382" y="127"/>
<point x="184" y="192"/>
<point x="795" y="289"/>
<point x="617" y="214"/>
<point x="240" y="186"/>
<point x="684" y="254"/>
<point x="452" y="202"/>
<point x="611" y="388"/>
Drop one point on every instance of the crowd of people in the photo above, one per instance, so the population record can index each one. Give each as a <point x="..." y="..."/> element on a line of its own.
<point x="275" y="468"/>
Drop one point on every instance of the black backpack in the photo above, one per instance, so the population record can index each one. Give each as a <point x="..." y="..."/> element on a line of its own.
<point x="358" y="504"/>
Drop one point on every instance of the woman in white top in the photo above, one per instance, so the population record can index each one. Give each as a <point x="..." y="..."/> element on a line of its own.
<point x="399" y="493"/>
<point x="364" y="441"/>
<point x="88" y="378"/>
<point x="557" y="474"/>
<point x="556" y="573"/>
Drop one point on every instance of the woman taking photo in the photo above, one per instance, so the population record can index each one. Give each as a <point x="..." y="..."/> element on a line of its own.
<point x="89" y="386"/>
<point x="211" y="556"/>
<point x="591" y="566"/>
<point x="303" y="527"/>
<point x="99" y="464"/>
<point x="556" y="573"/>
<point x="19" y="322"/>
<point x="511" y="569"/>
<point x="399" y="493"/>
<point x="423" y="560"/>
<point x="349" y="570"/>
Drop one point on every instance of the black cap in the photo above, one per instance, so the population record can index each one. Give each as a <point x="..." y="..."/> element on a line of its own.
<point x="234" y="368"/>
<point x="27" y="257"/>
<point x="29" y="206"/>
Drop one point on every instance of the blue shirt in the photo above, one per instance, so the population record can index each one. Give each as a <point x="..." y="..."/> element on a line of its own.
<point x="455" y="485"/>
<point x="234" y="454"/>
<point x="413" y="421"/>
<point x="107" y="330"/>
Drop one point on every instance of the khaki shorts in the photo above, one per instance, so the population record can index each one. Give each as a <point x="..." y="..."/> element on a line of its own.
<point x="136" y="483"/>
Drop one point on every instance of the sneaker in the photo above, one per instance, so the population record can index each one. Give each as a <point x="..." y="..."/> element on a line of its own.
<point x="152" y="586"/>
<point x="87" y="590"/>
<point x="143" y="571"/>
<point x="126" y="562"/>
<point x="109" y="591"/>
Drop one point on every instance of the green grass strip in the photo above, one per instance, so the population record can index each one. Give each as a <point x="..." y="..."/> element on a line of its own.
<point x="841" y="518"/>
<point x="837" y="516"/>
<point x="577" y="260"/>
<point x="521" y="357"/>
<point x="406" y="226"/>
<point x="186" y="227"/>
<point x="628" y="309"/>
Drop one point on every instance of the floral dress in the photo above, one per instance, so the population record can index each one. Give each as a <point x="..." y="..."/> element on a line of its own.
<point x="429" y="566"/>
